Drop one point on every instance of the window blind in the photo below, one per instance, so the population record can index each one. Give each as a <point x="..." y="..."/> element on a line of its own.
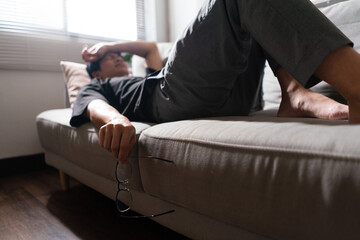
<point x="38" y="34"/>
<point x="140" y="19"/>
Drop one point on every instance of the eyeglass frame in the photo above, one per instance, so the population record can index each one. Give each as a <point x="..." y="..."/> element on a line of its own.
<point x="125" y="182"/>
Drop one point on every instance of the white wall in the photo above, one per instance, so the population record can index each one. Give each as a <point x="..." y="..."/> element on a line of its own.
<point x="24" y="94"/>
<point x="156" y="20"/>
<point x="181" y="13"/>
<point x="167" y="19"/>
<point x="30" y="85"/>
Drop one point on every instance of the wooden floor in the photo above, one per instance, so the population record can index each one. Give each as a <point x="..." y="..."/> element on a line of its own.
<point x="32" y="206"/>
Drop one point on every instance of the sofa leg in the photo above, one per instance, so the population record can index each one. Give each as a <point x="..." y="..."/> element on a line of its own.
<point x="64" y="181"/>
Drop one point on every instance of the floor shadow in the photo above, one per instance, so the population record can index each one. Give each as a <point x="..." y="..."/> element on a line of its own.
<point x="90" y="215"/>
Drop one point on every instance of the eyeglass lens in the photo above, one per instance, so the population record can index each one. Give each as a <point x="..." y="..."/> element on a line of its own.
<point x="123" y="200"/>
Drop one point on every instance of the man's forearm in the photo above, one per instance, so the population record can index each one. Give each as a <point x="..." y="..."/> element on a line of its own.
<point x="101" y="113"/>
<point x="139" y="47"/>
<point x="145" y="49"/>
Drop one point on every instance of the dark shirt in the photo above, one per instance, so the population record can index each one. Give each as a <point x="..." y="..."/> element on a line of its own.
<point x="128" y="95"/>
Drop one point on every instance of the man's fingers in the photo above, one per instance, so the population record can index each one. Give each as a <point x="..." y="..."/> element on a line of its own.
<point x="127" y="143"/>
<point x="108" y="137"/>
<point x="102" y="136"/>
<point x="89" y="55"/>
<point x="116" y="139"/>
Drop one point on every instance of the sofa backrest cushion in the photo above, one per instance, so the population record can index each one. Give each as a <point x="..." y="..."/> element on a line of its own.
<point x="75" y="76"/>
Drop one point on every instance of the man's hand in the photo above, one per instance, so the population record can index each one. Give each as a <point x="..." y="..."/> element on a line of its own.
<point x="119" y="137"/>
<point x="145" y="49"/>
<point x="116" y="133"/>
<point x="94" y="53"/>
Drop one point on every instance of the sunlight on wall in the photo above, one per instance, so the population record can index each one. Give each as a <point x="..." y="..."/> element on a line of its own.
<point x="105" y="18"/>
<point x="37" y="13"/>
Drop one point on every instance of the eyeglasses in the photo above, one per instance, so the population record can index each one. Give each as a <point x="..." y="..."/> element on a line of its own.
<point x="124" y="193"/>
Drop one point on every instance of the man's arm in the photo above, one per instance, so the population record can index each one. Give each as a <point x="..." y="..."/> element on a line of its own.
<point x="116" y="133"/>
<point x="145" y="49"/>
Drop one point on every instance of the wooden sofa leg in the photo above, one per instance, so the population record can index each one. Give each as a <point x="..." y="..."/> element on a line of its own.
<point x="64" y="181"/>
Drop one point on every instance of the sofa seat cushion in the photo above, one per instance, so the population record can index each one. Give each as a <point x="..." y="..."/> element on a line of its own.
<point x="81" y="145"/>
<point x="284" y="178"/>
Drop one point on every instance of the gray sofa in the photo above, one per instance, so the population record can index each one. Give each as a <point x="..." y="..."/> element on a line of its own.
<point x="252" y="177"/>
<point x="255" y="177"/>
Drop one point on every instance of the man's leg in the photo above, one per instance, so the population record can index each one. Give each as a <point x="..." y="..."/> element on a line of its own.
<point x="341" y="69"/>
<point x="215" y="49"/>
<point x="296" y="101"/>
<point x="214" y="69"/>
<point x="329" y="57"/>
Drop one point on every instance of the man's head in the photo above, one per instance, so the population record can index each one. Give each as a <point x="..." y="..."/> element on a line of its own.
<point x="111" y="65"/>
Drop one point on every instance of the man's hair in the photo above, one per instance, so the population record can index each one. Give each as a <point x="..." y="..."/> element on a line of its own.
<point x="92" y="67"/>
<point x="95" y="66"/>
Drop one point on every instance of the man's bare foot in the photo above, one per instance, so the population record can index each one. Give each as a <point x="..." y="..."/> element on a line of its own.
<point x="306" y="103"/>
<point x="300" y="102"/>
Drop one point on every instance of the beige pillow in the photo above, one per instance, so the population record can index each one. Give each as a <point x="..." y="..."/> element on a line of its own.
<point x="76" y="76"/>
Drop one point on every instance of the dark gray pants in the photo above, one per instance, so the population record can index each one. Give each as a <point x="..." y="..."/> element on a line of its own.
<point x="215" y="68"/>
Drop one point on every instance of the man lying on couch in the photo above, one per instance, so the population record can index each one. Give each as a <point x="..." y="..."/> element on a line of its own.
<point x="216" y="67"/>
